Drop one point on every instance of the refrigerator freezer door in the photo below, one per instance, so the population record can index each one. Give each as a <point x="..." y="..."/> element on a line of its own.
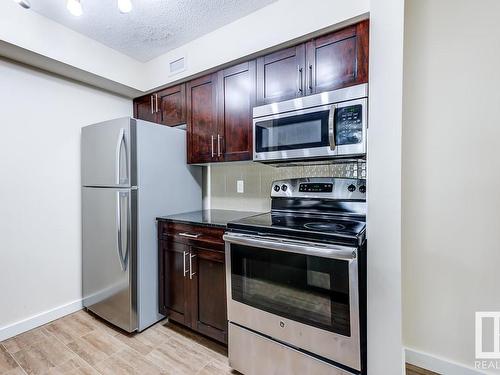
<point x="109" y="254"/>
<point x="108" y="153"/>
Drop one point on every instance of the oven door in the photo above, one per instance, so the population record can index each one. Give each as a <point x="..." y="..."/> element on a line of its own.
<point x="324" y="131"/>
<point x="300" y="293"/>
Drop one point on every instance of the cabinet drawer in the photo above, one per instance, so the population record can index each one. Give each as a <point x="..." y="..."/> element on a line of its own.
<point x="193" y="235"/>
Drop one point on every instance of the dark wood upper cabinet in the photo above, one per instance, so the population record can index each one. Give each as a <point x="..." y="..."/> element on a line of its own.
<point x="236" y="100"/>
<point x="281" y="75"/>
<point x="329" y="62"/>
<point x="172" y="105"/>
<point x="202" y="123"/>
<point x="144" y="108"/>
<point x="338" y="59"/>
<point x="166" y="107"/>
<point x="218" y="107"/>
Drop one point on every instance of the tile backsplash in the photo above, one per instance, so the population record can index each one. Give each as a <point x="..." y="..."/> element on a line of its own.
<point x="220" y="188"/>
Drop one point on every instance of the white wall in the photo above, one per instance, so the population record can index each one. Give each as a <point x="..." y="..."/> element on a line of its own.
<point x="451" y="174"/>
<point x="40" y="247"/>
<point x="383" y="225"/>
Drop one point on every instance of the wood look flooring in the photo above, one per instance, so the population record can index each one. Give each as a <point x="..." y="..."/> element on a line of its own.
<point x="414" y="370"/>
<point x="81" y="344"/>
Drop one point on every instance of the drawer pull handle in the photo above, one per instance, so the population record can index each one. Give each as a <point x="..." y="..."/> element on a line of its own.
<point x="190" y="235"/>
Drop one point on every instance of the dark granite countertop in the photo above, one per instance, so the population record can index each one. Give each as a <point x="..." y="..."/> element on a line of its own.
<point x="212" y="218"/>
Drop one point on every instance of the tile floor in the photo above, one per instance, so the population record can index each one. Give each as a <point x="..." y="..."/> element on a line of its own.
<point x="82" y="344"/>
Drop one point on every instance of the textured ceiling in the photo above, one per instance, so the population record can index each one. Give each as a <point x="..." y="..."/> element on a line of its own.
<point x="153" y="27"/>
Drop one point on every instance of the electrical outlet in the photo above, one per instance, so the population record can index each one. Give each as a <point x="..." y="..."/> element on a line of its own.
<point x="240" y="186"/>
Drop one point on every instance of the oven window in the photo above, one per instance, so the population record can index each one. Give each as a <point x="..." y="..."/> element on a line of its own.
<point x="294" y="132"/>
<point x="307" y="289"/>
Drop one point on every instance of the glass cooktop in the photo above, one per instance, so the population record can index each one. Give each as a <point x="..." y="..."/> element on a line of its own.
<point x="319" y="227"/>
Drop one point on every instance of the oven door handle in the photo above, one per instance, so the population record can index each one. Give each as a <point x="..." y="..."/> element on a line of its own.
<point x="294" y="246"/>
<point x="331" y="126"/>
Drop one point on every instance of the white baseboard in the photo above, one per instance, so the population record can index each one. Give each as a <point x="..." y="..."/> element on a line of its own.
<point x="439" y="365"/>
<point x="39" y="319"/>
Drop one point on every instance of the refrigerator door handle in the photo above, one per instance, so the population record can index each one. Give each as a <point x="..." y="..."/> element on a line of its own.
<point x="121" y="144"/>
<point x="128" y="231"/>
<point x="119" y="231"/>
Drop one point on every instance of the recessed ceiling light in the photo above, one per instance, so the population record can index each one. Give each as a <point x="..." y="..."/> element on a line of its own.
<point x="125" y="6"/>
<point x="75" y="7"/>
<point x="24" y="3"/>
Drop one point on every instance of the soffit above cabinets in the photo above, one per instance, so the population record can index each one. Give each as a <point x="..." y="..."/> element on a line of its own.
<point x="153" y="27"/>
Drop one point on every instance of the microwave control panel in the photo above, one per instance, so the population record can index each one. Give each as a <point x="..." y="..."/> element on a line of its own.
<point x="349" y="125"/>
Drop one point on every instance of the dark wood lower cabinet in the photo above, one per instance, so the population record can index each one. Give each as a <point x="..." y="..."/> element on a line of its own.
<point x="173" y="288"/>
<point x="209" y="292"/>
<point x="192" y="285"/>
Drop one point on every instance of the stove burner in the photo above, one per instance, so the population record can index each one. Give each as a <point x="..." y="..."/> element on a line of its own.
<point x="324" y="227"/>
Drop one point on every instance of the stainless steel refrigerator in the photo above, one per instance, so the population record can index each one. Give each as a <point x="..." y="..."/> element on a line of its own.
<point x="132" y="172"/>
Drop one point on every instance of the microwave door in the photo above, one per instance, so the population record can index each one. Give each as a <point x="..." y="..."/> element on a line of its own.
<point x="294" y="135"/>
<point x="350" y="127"/>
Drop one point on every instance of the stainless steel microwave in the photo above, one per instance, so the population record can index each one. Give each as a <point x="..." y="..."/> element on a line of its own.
<point x="321" y="126"/>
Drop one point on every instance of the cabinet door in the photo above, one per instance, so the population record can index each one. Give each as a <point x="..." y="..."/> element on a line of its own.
<point x="172" y="105"/>
<point x="173" y="273"/>
<point x="202" y="119"/>
<point x="281" y="75"/>
<point x="208" y="284"/>
<point x="236" y="100"/>
<point x="338" y="59"/>
<point x="144" y="108"/>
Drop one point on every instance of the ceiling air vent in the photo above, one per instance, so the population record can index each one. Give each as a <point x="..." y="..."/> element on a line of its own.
<point x="177" y="66"/>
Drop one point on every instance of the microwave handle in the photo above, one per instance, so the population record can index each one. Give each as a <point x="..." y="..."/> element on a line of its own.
<point x="331" y="127"/>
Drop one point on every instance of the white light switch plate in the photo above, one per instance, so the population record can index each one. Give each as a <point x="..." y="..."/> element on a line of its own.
<point x="240" y="186"/>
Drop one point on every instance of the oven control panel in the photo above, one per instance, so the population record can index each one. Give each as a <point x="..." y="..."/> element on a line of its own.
<point x="315" y="187"/>
<point x="320" y="187"/>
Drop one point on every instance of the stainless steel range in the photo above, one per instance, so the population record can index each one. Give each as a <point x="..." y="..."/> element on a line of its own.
<point x="296" y="281"/>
